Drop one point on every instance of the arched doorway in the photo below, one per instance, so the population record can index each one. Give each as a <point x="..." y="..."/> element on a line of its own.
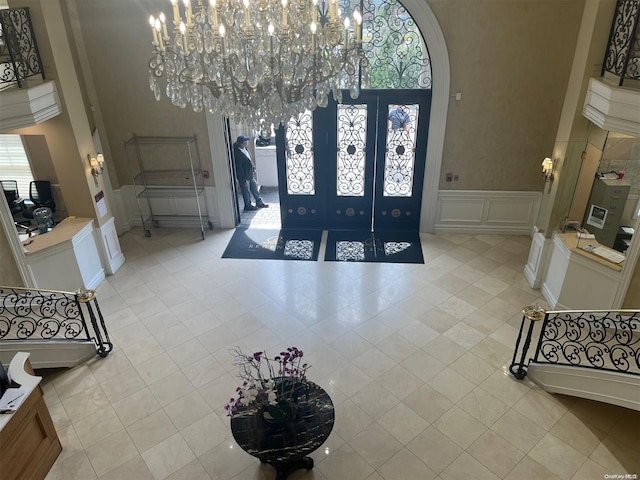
<point x="427" y="22"/>
<point x="346" y="166"/>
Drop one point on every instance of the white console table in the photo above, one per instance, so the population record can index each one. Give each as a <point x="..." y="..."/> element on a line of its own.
<point x="66" y="258"/>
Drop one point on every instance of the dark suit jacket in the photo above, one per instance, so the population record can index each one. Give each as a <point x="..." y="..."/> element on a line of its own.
<point x="244" y="165"/>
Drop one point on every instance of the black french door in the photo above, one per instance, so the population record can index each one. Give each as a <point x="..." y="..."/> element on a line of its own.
<point x="357" y="165"/>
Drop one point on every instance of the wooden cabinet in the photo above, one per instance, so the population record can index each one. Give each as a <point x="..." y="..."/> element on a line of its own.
<point x="608" y="197"/>
<point x="29" y="444"/>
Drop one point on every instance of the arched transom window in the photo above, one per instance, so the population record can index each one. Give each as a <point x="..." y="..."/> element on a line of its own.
<point x="393" y="44"/>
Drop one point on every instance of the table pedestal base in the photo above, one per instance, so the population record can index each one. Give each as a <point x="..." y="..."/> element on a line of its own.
<point x="284" y="469"/>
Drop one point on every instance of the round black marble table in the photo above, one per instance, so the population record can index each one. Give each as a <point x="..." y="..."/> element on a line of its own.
<point x="287" y="449"/>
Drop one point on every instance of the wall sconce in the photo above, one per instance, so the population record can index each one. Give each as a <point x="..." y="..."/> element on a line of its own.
<point x="547" y="169"/>
<point x="97" y="166"/>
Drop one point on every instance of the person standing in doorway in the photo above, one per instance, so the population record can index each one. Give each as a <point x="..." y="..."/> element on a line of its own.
<point x="399" y="119"/>
<point x="245" y="174"/>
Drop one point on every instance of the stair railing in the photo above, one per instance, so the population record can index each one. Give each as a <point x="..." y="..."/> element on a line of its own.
<point x="622" y="55"/>
<point x="19" y="54"/>
<point x="598" y="339"/>
<point x="46" y="315"/>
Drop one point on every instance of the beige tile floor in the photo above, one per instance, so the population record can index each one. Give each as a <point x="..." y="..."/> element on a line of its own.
<point x="413" y="356"/>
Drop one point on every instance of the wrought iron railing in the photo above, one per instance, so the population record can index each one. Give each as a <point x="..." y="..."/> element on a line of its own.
<point x="622" y="57"/>
<point x="19" y="55"/>
<point x="30" y="314"/>
<point x="598" y="339"/>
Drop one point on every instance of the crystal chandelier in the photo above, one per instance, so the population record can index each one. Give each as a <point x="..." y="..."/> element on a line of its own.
<point x="257" y="61"/>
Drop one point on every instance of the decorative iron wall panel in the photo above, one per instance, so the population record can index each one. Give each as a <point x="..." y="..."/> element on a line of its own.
<point x="400" y="158"/>
<point x="351" y="154"/>
<point x="299" y="155"/>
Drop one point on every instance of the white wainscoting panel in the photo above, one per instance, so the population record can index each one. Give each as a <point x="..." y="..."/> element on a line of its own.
<point x="120" y="211"/>
<point x="477" y="211"/>
<point x="600" y="385"/>
<point x="88" y="258"/>
<point x="49" y="354"/>
<point x="460" y="211"/>
<point x="453" y="210"/>
<point x="556" y="272"/>
<point x="109" y="246"/>
<point x="538" y="261"/>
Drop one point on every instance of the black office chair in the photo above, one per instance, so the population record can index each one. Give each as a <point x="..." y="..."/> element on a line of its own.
<point x="10" y="189"/>
<point x="40" y="195"/>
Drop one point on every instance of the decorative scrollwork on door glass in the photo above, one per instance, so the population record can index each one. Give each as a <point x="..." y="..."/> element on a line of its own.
<point x="299" y="155"/>
<point x="400" y="158"/>
<point x="393" y="45"/>
<point x="352" y="143"/>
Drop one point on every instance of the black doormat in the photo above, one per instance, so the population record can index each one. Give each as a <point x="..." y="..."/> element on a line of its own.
<point x="274" y="244"/>
<point x="381" y="246"/>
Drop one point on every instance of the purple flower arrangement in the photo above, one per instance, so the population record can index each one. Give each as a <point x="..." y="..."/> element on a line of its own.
<point x="270" y="383"/>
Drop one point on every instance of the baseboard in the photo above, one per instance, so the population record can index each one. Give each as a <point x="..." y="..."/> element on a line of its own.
<point x="483" y="229"/>
<point x="96" y="280"/>
<point x="530" y="276"/>
<point x="550" y="298"/>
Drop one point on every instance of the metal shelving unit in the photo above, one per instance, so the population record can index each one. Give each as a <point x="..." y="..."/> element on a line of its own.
<point x="161" y="166"/>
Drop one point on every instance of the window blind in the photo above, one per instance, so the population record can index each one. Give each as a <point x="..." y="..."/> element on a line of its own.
<point x="14" y="164"/>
